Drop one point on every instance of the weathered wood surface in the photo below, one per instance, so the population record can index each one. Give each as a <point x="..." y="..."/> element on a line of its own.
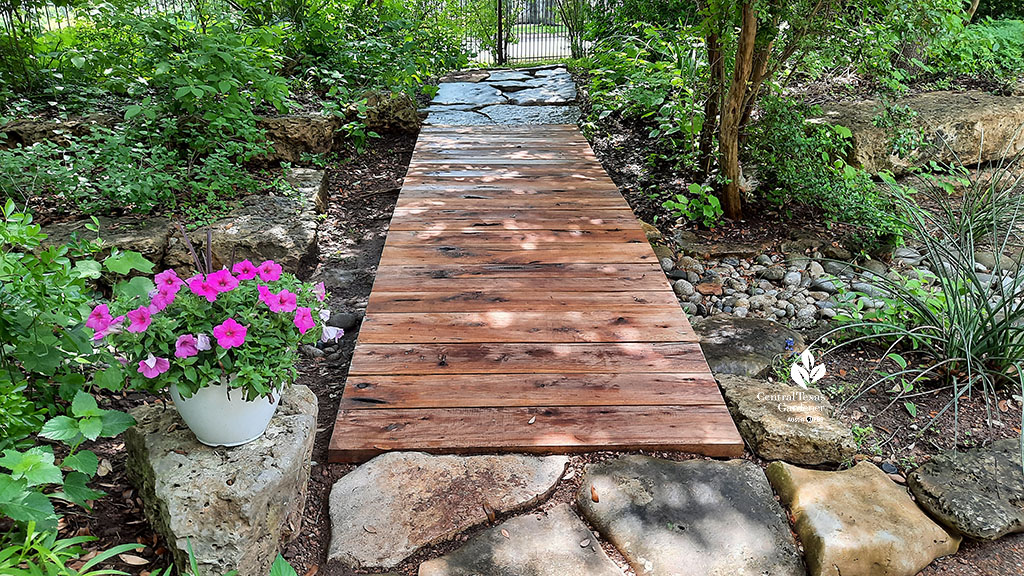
<point x="518" y="307"/>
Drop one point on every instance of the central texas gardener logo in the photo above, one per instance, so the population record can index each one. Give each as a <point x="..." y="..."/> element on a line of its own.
<point x="804" y="372"/>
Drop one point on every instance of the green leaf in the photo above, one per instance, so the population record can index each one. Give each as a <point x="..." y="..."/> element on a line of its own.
<point x="88" y="269"/>
<point x="91" y="427"/>
<point x="281" y="567"/>
<point x="84" y="405"/>
<point x="77" y="491"/>
<point x="900" y="360"/>
<point x="911" y="409"/>
<point x="85" y="462"/>
<point x="843" y="131"/>
<point x="78" y="61"/>
<point x="115" y="422"/>
<point x="132" y="111"/>
<point x="181" y="92"/>
<point x="60" y="428"/>
<point x="136" y="288"/>
<point x="125" y="262"/>
<point x="110" y="379"/>
<point x="23" y="505"/>
<point x="34" y="465"/>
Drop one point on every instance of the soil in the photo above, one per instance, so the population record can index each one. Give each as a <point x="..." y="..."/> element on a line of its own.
<point x="364" y="189"/>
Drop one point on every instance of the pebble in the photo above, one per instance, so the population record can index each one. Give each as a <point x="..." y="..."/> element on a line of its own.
<point x="791" y="278"/>
<point x="666" y="264"/>
<point x="683" y="288"/>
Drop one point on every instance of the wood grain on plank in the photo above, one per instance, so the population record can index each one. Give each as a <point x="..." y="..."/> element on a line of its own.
<point x="621" y="253"/>
<point x="498" y="298"/>
<point x="705" y="429"/>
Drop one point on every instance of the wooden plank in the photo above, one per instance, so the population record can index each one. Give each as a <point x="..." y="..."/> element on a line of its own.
<point x="520" y="301"/>
<point x="544" y="278"/>
<point x="528" y="358"/>
<point x="527" y="239"/>
<point x="588" y="271"/>
<point x="509" y="390"/>
<point x="361" y="434"/>
<point x="496" y="202"/>
<point x="514" y="220"/>
<point x="622" y="253"/>
<point x="500" y="325"/>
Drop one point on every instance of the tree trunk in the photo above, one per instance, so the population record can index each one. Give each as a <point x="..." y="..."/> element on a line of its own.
<point x="711" y="106"/>
<point x="732" y="113"/>
<point x="973" y="9"/>
<point x="758" y="75"/>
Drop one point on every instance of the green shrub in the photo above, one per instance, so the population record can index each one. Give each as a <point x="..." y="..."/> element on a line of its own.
<point x="804" y="162"/>
<point x="989" y="48"/>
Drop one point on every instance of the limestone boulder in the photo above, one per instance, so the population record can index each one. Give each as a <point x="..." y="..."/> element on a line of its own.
<point x="145" y="235"/>
<point x="744" y="346"/>
<point x="552" y="543"/>
<point x="394" y="112"/>
<point x="390" y="507"/>
<point x="698" y="517"/>
<point x="972" y="126"/>
<point x="295" y="135"/>
<point x="782" y="422"/>
<point x="858" y="522"/>
<point x="234" y="505"/>
<point x="979" y="493"/>
<point x="29" y="131"/>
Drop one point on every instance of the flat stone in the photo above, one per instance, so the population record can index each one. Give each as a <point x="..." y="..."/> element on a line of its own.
<point x="782" y="422"/>
<point x="457" y="118"/>
<point x="517" y="115"/>
<point x="395" y="504"/>
<point x="548" y="72"/>
<point x="505" y="75"/>
<point x="713" y="518"/>
<point x="858" y="522"/>
<point x="310" y="183"/>
<point x="978" y="493"/>
<point x="557" y="93"/>
<point x="555" y="543"/>
<point x="744" y="346"/>
<point x="709" y="288"/>
<point x="467" y="93"/>
<point x="719" y="250"/>
<point x="449" y="108"/>
<point x="234" y="505"/>
<point x="279" y="228"/>
<point x="509" y="86"/>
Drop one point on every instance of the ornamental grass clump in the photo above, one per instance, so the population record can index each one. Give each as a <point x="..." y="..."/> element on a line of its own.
<point x="951" y="322"/>
<point x="241" y="327"/>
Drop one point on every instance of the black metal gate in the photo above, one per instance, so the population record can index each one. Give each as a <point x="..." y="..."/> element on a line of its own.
<point x="518" y="31"/>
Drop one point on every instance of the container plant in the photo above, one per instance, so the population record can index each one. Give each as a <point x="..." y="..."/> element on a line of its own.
<point x="223" y="343"/>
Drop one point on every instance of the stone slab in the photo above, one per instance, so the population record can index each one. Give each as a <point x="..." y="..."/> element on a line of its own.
<point x="782" y="422"/>
<point x="858" y="522"/>
<point x="468" y="93"/>
<point x="505" y="75"/>
<point x="698" y="517"/>
<point x="743" y="346"/>
<point x="235" y="505"/>
<point x="457" y="118"/>
<point x="979" y="493"/>
<point x="562" y="93"/>
<point x="554" y="543"/>
<point x="390" y="507"/>
<point x="519" y="115"/>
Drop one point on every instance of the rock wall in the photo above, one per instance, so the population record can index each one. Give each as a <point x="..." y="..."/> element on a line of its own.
<point x="970" y="126"/>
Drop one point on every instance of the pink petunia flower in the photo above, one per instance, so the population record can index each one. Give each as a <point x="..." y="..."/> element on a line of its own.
<point x="283" y="301"/>
<point x="303" y="319"/>
<point x="320" y="291"/>
<point x="244" y="270"/>
<point x="200" y="286"/>
<point x="100" y="318"/>
<point x="186" y="346"/>
<point x="139" y="319"/>
<point x="229" y="334"/>
<point x="168" y="279"/>
<point x="113" y="328"/>
<point x="152" y="367"/>
<point x="222" y="281"/>
<point x="269" y="271"/>
<point x="161" y="298"/>
<point x="202" y="342"/>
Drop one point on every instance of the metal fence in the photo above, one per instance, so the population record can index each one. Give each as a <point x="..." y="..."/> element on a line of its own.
<point x="519" y="31"/>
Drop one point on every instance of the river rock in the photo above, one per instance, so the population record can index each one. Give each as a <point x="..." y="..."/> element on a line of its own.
<point x="858" y="522"/>
<point x="553" y="543"/>
<point x="782" y="422"/>
<point x="698" y="517"/>
<point x="390" y="507"/>
<point x="972" y="126"/>
<point x="979" y="493"/>
<point x="744" y="346"/>
<point x="234" y="505"/>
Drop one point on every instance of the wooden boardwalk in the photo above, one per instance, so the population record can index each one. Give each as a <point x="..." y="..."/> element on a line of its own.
<point x="518" y="307"/>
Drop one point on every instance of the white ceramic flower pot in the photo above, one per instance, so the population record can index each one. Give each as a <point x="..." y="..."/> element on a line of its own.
<point x="220" y="416"/>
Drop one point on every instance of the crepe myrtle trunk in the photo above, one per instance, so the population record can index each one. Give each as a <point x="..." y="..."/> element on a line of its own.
<point x="732" y="114"/>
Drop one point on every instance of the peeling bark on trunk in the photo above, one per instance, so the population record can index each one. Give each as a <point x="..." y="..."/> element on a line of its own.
<point x="732" y="113"/>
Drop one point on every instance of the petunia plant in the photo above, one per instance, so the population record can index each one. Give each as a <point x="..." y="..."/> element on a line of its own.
<point x="240" y="326"/>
